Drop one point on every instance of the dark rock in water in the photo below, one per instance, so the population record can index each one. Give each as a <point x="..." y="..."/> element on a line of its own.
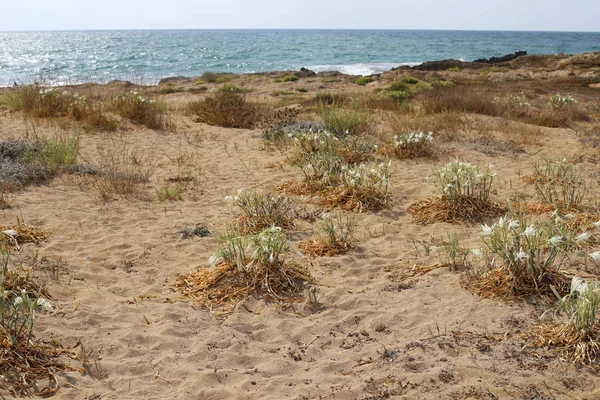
<point x="477" y="64"/>
<point x="445" y="64"/>
<point x="304" y="72"/>
<point x="330" y="74"/>
<point x="508" y="57"/>
<point x="172" y="79"/>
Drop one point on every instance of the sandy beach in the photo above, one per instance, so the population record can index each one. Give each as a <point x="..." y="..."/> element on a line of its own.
<point x="392" y="318"/>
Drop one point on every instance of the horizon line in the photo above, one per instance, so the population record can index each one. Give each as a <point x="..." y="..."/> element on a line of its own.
<point x="291" y="29"/>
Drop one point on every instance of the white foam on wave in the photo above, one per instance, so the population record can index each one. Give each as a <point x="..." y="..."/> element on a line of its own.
<point x="360" y="69"/>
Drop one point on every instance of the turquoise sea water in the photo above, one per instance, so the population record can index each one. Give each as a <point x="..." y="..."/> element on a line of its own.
<point x="100" y="56"/>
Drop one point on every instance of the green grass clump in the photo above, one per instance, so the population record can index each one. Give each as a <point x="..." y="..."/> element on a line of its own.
<point x="223" y="79"/>
<point x="335" y="235"/>
<point x="288" y="78"/>
<point x="351" y="120"/>
<point x="401" y="96"/>
<point x="57" y="154"/>
<point x="364" y="80"/>
<point x="453" y="69"/>
<point x="169" y="193"/>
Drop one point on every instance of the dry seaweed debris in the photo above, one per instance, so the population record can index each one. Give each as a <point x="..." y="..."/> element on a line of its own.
<point x="318" y="248"/>
<point x="443" y="209"/>
<point x="22" y="367"/>
<point x="19" y="234"/>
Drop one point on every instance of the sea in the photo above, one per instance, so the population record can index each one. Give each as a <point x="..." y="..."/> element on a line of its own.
<point x="146" y="56"/>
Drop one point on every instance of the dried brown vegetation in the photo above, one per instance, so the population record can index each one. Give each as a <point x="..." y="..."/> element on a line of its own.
<point x="228" y="109"/>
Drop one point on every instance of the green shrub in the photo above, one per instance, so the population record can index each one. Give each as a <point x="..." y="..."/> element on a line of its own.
<point x="364" y="80"/>
<point x="410" y="80"/>
<point x="400" y="96"/>
<point x="209" y="77"/>
<point x="397" y="86"/>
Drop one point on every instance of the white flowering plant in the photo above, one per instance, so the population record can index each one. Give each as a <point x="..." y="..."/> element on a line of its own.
<point x="262" y="210"/>
<point x="458" y="180"/>
<point x="335" y="235"/>
<point x="562" y="102"/>
<point x="413" y="144"/>
<point x="516" y="103"/>
<point x="247" y="252"/>
<point x="531" y="253"/>
<point x="310" y="141"/>
<point x="362" y="186"/>
<point x="18" y="308"/>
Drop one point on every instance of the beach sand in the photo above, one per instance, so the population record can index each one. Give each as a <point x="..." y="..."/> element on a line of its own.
<point x="373" y="335"/>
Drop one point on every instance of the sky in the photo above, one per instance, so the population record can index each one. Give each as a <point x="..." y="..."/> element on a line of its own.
<point x="527" y="15"/>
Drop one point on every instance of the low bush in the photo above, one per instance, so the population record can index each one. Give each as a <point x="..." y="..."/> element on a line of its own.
<point x="209" y="76"/>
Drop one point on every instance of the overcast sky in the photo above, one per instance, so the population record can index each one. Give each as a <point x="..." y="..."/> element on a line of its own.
<point x="539" y="15"/>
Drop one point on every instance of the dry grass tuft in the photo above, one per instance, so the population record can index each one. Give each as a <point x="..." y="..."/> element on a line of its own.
<point x="226" y="108"/>
<point x="37" y="102"/>
<point x="464" y="209"/>
<point x="143" y="110"/>
<point x="459" y="99"/>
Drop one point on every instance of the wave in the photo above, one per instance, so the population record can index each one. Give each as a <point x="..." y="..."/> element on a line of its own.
<point x="360" y="69"/>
